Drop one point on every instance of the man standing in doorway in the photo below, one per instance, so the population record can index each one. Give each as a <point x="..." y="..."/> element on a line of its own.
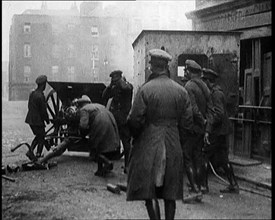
<point x="121" y="91"/>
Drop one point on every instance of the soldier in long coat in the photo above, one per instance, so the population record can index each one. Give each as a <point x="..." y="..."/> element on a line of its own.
<point x="37" y="116"/>
<point x="217" y="144"/>
<point x="121" y="91"/>
<point x="99" y="124"/>
<point x="160" y="115"/>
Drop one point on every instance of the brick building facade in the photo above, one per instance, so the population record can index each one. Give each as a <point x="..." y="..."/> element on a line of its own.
<point x="82" y="45"/>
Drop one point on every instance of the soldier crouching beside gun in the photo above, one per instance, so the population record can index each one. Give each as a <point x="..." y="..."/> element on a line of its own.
<point x="99" y="124"/>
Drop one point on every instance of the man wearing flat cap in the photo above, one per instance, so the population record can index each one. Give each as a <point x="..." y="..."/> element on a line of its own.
<point x="121" y="93"/>
<point x="192" y="148"/>
<point x="216" y="148"/>
<point x="37" y="115"/>
<point x="160" y="113"/>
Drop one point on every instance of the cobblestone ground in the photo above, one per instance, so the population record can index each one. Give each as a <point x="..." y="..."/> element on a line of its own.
<point x="71" y="191"/>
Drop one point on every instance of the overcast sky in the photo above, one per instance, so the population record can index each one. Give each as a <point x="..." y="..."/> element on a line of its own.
<point x="9" y="8"/>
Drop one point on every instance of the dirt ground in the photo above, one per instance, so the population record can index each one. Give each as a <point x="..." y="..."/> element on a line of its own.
<point x="68" y="191"/>
<point x="71" y="191"/>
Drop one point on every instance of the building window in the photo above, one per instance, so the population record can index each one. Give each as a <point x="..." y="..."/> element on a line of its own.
<point x="54" y="70"/>
<point x="94" y="31"/>
<point x="27" y="73"/>
<point x="71" y="51"/>
<point x="27" y="50"/>
<point x="71" y="75"/>
<point x="27" y="28"/>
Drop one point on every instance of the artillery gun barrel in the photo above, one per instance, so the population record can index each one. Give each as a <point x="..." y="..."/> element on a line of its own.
<point x="57" y="152"/>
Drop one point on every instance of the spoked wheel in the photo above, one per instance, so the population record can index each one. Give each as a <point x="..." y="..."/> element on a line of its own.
<point x="55" y="129"/>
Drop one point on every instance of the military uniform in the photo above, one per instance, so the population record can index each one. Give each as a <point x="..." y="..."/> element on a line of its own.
<point x="99" y="124"/>
<point x="121" y="91"/>
<point x="217" y="151"/>
<point x="37" y="114"/>
<point x="201" y="106"/>
<point x="160" y="113"/>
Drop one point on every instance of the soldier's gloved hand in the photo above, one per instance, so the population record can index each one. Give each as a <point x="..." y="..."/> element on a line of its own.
<point x="206" y="138"/>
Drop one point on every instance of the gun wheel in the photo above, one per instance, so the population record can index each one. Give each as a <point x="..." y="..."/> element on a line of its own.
<point x="55" y="128"/>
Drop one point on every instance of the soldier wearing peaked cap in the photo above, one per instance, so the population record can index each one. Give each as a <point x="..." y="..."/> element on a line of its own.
<point x="193" y="66"/>
<point x="216" y="148"/>
<point x="160" y="113"/>
<point x="37" y="115"/>
<point x="202" y="115"/>
<point x="209" y="74"/>
<point x="159" y="59"/>
<point x="121" y="92"/>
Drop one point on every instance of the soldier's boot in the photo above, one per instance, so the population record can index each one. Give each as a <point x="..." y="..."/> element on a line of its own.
<point x="40" y="145"/>
<point x="191" y="178"/>
<point x="233" y="185"/>
<point x="169" y="208"/>
<point x="100" y="171"/>
<point x="194" y="193"/>
<point x="104" y="166"/>
<point x="204" y="184"/>
<point x="152" y="207"/>
<point x="39" y="150"/>
<point x="30" y="153"/>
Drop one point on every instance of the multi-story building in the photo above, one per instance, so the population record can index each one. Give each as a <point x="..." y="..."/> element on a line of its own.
<point x="65" y="47"/>
<point x="81" y="46"/>
<point x="252" y="125"/>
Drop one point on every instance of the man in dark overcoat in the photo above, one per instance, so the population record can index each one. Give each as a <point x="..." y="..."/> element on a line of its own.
<point x="100" y="126"/>
<point x="160" y="114"/>
<point x="37" y="115"/>
<point x="216" y="148"/>
<point x="121" y="91"/>
<point x="201" y="105"/>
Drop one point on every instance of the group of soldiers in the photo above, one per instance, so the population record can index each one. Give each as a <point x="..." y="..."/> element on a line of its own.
<point x="167" y="130"/>
<point x="104" y="128"/>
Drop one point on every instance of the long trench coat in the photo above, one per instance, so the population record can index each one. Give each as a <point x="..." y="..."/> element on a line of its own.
<point x="161" y="112"/>
<point x="101" y="127"/>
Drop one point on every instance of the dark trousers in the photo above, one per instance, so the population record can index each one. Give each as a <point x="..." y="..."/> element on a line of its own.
<point x="193" y="158"/>
<point x="217" y="154"/>
<point x="217" y="151"/>
<point x="125" y="137"/>
<point x="39" y="139"/>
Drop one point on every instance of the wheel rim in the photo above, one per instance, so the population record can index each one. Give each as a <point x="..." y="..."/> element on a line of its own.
<point x="54" y="106"/>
